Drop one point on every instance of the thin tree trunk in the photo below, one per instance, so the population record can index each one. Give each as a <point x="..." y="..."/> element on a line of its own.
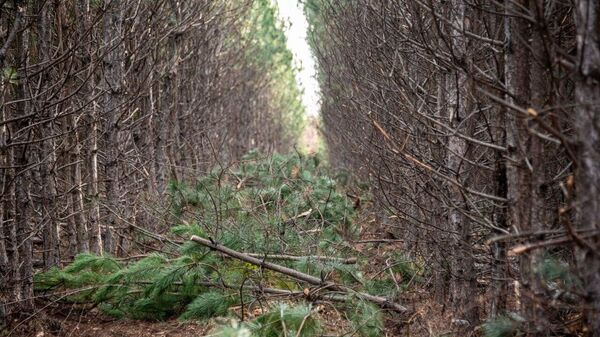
<point x="23" y="218"/>
<point x="67" y="154"/>
<point x="443" y="276"/>
<point x="111" y="110"/>
<point x="22" y="180"/>
<point x="48" y="194"/>
<point x="46" y="170"/>
<point x="77" y="194"/>
<point x="538" y="219"/>
<point x="462" y="263"/>
<point x="162" y="126"/>
<point x="9" y="254"/>
<point x="96" y="244"/>
<point x="518" y="177"/>
<point x="91" y="150"/>
<point x="587" y="123"/>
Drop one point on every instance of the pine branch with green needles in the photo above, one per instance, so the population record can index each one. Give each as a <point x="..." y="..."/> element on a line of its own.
<point x="289" y="209"/>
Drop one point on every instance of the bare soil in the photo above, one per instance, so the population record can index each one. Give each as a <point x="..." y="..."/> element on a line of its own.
<point x="91" y="324"/>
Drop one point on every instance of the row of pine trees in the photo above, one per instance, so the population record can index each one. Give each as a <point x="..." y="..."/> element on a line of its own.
<point x="477" y="123"/>
<point x="104" y="102"/>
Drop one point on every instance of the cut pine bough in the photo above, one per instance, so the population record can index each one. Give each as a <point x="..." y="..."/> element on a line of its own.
<point x="314" y="281"/>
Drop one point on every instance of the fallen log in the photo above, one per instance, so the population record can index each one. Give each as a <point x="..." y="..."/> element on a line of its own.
<point x="381" y="301"/>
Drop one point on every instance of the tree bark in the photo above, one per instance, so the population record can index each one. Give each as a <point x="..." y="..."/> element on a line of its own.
<point x="83" y="240"/>
<point x="96" y="244"/>
<point x="463" y="274"/>
<point x="518" y="176"/>
<point x="587" y="123"/>
<point x="113" y="70"/>
<point x="21" y="161"/>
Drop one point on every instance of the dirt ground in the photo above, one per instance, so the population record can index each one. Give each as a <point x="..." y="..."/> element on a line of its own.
<point x="93" y="325"/>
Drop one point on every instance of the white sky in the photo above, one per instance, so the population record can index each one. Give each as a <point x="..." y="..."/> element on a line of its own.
<point x="297" y="27"/>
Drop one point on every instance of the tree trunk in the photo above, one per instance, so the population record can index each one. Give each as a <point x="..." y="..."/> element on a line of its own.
<point x="49" y="209"/>
<point x="68" y="160"/>
<point x="77" y="194"/>
<point x="587" y="123"/>
<point x="9" y="273"/>
<point x="518" y="176"/>
<point x="538" y="221"/>
<point x="113" y="71"/>
<point x="22" y="180"/>
<point x="47" y="158"/>
<point x="463" y="274"/>
<point x="96" y="244"/>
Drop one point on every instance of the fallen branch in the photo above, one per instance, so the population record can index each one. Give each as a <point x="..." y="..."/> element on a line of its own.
<point x="381" y="301"/>
<point x="258" y="262"/>
<point x="351" y="260"/>
<point x="306" y="293"/>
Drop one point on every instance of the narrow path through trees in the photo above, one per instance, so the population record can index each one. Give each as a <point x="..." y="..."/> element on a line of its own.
<point x="471" y="129"/>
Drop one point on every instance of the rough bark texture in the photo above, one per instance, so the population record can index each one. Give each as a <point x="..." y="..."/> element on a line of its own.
<point x="588" y="133"/>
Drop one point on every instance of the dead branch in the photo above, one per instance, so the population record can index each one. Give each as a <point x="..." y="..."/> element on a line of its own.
<point x="351" y="260"/>
<point x="381" y="301"/>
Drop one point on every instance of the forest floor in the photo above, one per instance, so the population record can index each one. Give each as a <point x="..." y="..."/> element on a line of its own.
<point x="426" y="318"/>
<point x="374" y="244"/>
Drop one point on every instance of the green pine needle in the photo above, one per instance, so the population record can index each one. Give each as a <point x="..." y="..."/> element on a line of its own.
<point x="287" y="321"/>
<point x="367" y="319"/>
<point x="210" y="304"/>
